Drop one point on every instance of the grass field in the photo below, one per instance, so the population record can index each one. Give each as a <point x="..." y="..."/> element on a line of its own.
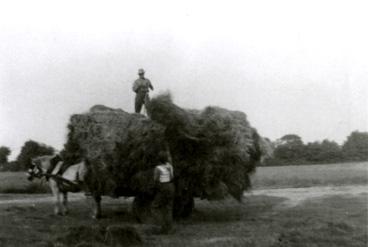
<point x="260" y="221"/>
<point x="17" y="182"/>
<point x="310" y="175"/>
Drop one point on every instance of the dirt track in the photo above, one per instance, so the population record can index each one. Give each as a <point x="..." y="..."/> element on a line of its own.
<point x="34" y="198"/>
<point x="294" y="195"/>
<point x="298" y="195"/>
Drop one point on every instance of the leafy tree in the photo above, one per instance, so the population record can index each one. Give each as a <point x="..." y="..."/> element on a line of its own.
<point x="30" y="150"/>
<point x="291" y="139"/>
<point x="4" y="153"/>
<point x="289" y="148"/>
<point x="331" y="151"/>
<point x="355" y="147"/>
<point x="322" y="152"/>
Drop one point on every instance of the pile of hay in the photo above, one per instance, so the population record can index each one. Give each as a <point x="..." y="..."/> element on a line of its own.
<point x="121" y="150"/>
<point x="213" y="151"/>
<point x="114" y="235"/>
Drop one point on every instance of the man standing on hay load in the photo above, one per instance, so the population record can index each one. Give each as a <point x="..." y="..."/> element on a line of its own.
<point x="141" y="87"/>
<point x="163" y="202"/>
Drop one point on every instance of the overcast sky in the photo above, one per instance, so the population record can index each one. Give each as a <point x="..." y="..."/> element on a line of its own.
<point x="292" y="66"/>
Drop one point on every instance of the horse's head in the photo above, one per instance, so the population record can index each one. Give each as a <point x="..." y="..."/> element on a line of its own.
<point x="42" y="165"/>
<point x="35" y="170"/>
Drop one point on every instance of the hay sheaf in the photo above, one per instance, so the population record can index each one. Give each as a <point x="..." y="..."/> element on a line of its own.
<point x="213" y="150"/>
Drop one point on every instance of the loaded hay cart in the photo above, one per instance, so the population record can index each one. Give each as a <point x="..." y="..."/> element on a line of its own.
<point x="213" y="152"/>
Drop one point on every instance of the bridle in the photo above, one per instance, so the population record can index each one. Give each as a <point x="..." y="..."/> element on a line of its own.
<point x="35" y="171"/>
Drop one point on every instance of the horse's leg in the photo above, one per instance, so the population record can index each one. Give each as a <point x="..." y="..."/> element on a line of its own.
<point x="65" y="203"/>
<point x="56" y="194"/>
<point x="96" y="207"/>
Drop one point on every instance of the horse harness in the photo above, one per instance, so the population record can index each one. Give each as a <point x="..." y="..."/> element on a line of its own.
<point x="63" y="183"/>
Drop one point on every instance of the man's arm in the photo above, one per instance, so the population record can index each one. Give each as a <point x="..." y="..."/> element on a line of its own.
<point x="135" y="86"/>
<point x="171" y="172"/>
<point x="150" y="85"/>
<point x="156" y="175"/>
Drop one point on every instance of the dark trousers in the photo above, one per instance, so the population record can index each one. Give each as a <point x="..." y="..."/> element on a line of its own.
<point x="162" y="206"/>
<point x="140" y="100"/>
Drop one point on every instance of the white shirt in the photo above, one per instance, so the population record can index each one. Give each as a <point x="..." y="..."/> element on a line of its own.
<point x="166" y="172"/>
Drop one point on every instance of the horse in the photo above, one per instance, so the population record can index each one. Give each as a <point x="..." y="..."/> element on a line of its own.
<point x="61" y="180"/>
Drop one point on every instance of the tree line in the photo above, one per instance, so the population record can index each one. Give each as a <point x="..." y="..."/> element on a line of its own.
<point x="29" y="150"/>
<point x="288" y="150"/>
